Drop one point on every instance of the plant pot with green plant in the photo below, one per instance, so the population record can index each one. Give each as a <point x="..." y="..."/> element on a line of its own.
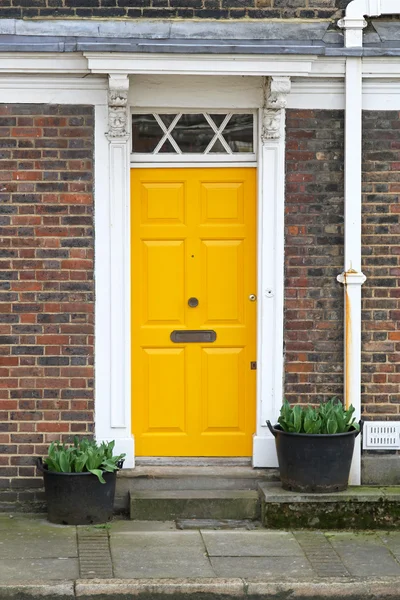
<point x="79" y="481"/>
<point x="315" y="446"/>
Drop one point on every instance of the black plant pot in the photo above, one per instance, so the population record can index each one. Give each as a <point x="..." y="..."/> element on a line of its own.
<point x="314" y="462"/>
<point x="78" y="498"/>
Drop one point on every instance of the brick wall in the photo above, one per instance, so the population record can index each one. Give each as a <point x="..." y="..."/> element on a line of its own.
<point x="46" y="286"/>
<point x="163" y="9"/>
<point x="314" y="255"/>
<point x="381" y="265"/>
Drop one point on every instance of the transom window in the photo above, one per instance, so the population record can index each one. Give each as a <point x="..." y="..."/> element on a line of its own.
<point x="193" y="133"/>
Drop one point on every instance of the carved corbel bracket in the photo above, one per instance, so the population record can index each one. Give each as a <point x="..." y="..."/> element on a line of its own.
<point x="276" y="90"/>
<point x="118" y="87"/>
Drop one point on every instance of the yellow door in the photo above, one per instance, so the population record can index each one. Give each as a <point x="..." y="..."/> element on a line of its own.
<point x="193" y="269"/>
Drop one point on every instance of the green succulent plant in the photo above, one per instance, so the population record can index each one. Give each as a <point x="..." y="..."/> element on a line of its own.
<point x="83" y="456"/>
<point x="328" y="417"/>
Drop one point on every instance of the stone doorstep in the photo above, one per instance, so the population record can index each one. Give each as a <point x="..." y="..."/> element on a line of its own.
<point x="358" y="507"/>
<point x="188" y="477"/>
<point x="197" y="476"/>
<point x="168" y="505"/>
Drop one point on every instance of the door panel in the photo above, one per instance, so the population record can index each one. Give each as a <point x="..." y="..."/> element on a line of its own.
<point x="222" y="408"/>
<point x="164" y="263"/>
<point x="193" y="236"/>
<point x="224" y="295"/>
<point x="164" y="376"/>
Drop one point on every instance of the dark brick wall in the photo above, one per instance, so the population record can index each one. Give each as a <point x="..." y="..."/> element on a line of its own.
<point x="46" y="286"/>
<point x="163" y="9"/>
<point x="381" y="265"/>
<point x="314" y="255"/>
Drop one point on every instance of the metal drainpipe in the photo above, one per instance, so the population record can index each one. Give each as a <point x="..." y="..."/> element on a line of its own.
<point x="352" y="278"/>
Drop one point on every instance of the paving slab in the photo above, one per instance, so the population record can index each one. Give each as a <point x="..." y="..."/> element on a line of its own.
<point x="24" y="521"/>
<point x="159" y="555"/>
<point x="255" y="566"/>
<point x="36" y="538"/>
<point x="154" y="559"/>
<point x="131" y="526"/>
<point x="364" y="554"/>
<point x="251" y="543"/>
<point x="391" y="540"/>
<point x="38" y="570"/>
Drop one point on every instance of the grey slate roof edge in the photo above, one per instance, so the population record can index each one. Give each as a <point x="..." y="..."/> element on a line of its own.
<point x="167" y="29"/>
<point x="64" y="44"/>
<point x="193" y="37"/>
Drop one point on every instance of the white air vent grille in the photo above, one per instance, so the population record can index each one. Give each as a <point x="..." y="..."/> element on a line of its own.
<point x="381" y="435"/>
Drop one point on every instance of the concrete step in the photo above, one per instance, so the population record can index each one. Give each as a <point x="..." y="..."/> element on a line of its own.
<point x="169" y="505"/>
<point x="184" y="477"/>
<point x="359" y="507"/>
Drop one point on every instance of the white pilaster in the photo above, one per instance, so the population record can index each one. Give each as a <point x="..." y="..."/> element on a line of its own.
<point x="352" y="278"/>
<point x="115" y="250"/>
<point x="271" y="173"/>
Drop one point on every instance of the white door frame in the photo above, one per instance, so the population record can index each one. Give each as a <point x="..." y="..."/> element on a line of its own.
<point x="115" y="422"/>
<point x="113" y="387"/>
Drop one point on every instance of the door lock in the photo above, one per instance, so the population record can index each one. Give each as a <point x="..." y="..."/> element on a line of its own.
<point x="193" y="302"/>
<point x="252" y="297"/>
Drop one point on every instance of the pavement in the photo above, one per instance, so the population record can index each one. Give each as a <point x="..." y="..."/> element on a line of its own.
<point x="151" y="560"/>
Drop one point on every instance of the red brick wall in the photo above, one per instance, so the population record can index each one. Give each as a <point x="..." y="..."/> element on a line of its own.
<point x="314" y="255"/>
<point x="46" y="286"/>
<point x="381" y="265"/>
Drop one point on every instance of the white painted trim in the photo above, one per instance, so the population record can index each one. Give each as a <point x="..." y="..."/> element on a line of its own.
<point x="271" y="237"/>
<point x="112" y="281"/>
<point x="353" y="23"/>
<point x="53" y="90"/>
<point x="185" y="91"/>
<point x="119" y="275"/>
<point x="387" y="68"/>
<point x="120" y="278"/>
<point x="371" y="8"/>
<point x="178" y="165"/>
<point x="43" y="62"/>
<point x="211" y="64"/>
<point x="195" y="159"/>
<point x="313" y="93"/>
<point x="381" y="95"/>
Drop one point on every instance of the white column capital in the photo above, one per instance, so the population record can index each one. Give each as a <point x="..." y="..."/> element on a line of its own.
<point x="118" y="88"/>
<point x="276" y="90"/>
<point x="351" y="278"/>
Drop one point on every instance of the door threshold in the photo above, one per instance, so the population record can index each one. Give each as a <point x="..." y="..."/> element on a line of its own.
<point x="188" y="461"/>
